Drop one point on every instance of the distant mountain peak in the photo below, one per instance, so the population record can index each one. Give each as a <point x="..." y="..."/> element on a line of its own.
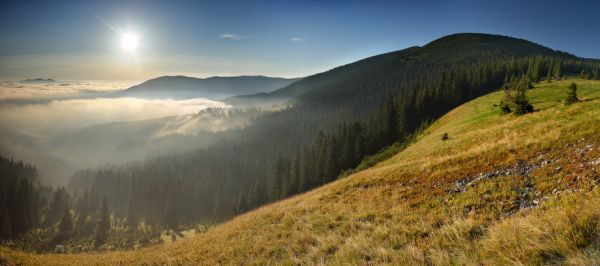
<point x="216" y="87"/>
<point x="450" y="48"/>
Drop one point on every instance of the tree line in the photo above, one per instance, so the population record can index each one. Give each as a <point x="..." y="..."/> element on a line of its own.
<point x="303" y="147"/>
<point x="347" y="114"/>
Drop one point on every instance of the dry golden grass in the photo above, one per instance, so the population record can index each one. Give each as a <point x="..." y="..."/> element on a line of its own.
<point x="403" y="211"/>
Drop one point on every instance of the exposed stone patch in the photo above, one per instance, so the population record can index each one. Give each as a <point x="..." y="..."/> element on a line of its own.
<point x="527" y="196"/>
<point x="519" y="169"/>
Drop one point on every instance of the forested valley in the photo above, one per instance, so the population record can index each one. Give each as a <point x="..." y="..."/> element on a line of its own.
<point x="337" y="121"/>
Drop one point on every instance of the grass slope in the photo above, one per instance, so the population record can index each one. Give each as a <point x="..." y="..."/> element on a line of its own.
<point x="502" y="190"/>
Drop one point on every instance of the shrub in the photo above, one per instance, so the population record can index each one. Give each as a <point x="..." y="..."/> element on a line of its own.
<point x="572" y="94"/>
<point x="445" y="137"/>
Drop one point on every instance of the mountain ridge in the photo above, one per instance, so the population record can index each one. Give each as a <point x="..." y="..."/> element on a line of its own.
<point x="464" y="43"/>
<point x="455" y="201"/>
<point x="383" y="99"/>
<point x="216" y="87"/>
<point x="339" y="118"/>
<point x="38" y="81"/>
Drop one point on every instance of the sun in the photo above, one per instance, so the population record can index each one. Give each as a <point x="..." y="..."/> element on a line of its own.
<point x="129" y="42"/>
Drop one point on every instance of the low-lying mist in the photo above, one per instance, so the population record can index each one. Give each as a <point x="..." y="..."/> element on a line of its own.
<point x="62" y="136"/>
<point x="16" y="92"/>
<point x="60" y="116"/>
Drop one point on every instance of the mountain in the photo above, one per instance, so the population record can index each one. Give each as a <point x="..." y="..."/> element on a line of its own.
<point x="500" y="189"/>
<point x="182" y="87"/>
<point x="347" y="120"/>
<point x="37" y="81"/>
<point x="338" y="118"/>
<point x="462" y="46"/>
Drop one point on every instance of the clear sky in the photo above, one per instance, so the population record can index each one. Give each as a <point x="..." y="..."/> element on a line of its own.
<point x="81" y="40"/>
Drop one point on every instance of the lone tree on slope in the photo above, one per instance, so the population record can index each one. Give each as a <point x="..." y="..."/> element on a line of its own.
<point x="515" y="96"/>
<point x="103" y="225"/>
<point x="572" y="94"/>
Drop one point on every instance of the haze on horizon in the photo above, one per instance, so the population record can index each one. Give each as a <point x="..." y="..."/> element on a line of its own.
<point x="307" y="132"/>
<point x="77" y="40"/>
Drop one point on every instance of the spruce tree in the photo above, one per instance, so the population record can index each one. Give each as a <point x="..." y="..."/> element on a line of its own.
<point x="103" y="225"/>
<point x="391" y="122"/>
<point x="169" y="216"/>
<point x="241" y="203"/>
<point x="557" y="70"/>
<point x="59" y="204"/>
<point x="294" y="176"/>
<point x="331" y="164"/>
<point x="572" y="94"/>
<point x="5" y="228"/>
<point x="520" y="101"/>
<point x="507" y="97"/>
<point x="65" y="227"/>
<point x="275" y="184"/>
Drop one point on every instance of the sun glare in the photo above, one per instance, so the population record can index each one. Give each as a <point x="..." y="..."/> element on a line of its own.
<point x="129" y="42"/>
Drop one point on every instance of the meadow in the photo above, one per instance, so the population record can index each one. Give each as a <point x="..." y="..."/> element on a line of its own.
<point x="501" y="190"/>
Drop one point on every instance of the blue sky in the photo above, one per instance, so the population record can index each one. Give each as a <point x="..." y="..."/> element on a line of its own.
<point x="76" y="40"/>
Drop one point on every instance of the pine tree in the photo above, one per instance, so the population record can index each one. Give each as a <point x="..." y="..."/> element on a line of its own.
<point x="217" y="207"/>
<point x="65" y="227"/>
<point x="5" y="228"/>
<point x="169" y="216"/>
<point x="241" y="204"/>
<point x="331" y="164"/>
<point x="359" y="144"/>
<point x="520" y="101"/>
<point x="533" y="72"/>
<point x="132" y="203"/>
<point x="294" y="176"/>
<point x="549" y="74"/>
<point x="306" y="170"/>
<point x="515" y="92"/>
<point x="103" y="225"/>
<point x="391" y="122"/>
<point x="275" y="183"/>
<point x="572" y="94"/>
<point x="557" y="70"/>
<point x="507" y="98"/>
<point x="59" y="204"/>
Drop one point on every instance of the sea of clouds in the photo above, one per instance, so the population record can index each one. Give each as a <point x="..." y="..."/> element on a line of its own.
<point x="35" y="117"/>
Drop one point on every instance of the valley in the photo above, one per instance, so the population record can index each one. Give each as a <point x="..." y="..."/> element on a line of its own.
<point x="434" y="202"/>
<point x="299" y="133"/>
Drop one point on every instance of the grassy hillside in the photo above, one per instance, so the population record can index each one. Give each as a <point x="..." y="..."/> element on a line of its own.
<point x="337" y="118"/>
<point x="501" y="190"/>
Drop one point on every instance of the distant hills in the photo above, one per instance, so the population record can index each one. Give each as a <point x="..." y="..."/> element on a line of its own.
<point x="471" y="198"/>
<point x="182" y="87"/>
<point x="351" y="118"/>
<point x="335" y="119"/>
<point x="37" y="81"/>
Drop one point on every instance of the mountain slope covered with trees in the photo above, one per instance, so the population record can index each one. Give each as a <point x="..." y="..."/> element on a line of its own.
<point x="339" y="118"/>
<point x="497" y="189"/>
<point x="342" y="121"/>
